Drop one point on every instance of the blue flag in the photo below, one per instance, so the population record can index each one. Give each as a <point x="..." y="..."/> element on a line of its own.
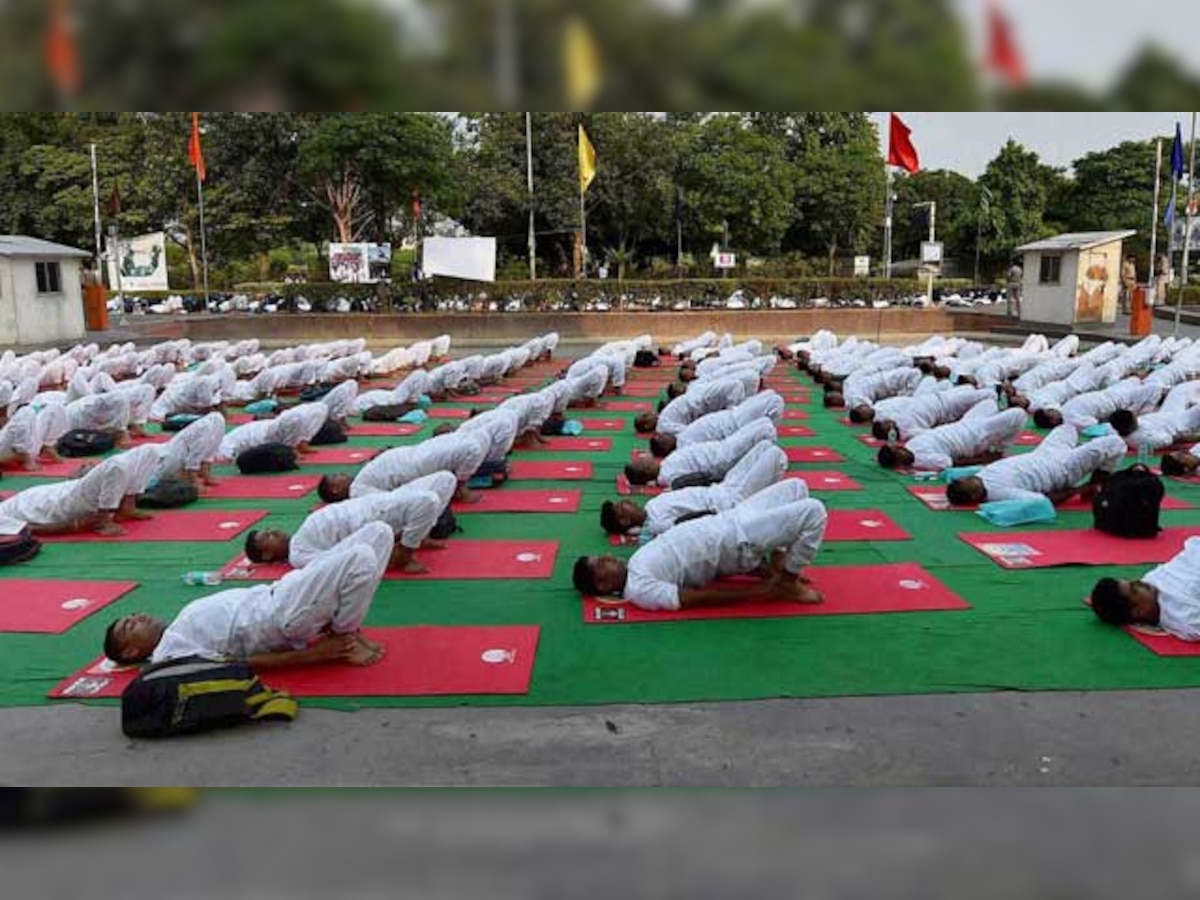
<point x="1177" y="153"/>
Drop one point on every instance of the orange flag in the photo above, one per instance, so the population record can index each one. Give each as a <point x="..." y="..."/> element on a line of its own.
<point x="62" y="59"/>
<point x="195" y="152"/>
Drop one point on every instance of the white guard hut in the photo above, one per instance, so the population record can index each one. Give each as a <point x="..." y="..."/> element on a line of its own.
<point x="1072" y="279"/>
<point x="41" y="297"/>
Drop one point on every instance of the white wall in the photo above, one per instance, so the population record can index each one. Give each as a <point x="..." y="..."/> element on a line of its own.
<point x="1052" y="303"/>
<point x="27" y="317"/>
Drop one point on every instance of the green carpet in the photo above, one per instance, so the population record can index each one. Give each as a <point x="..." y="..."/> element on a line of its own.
<point x="1025" y="631"/>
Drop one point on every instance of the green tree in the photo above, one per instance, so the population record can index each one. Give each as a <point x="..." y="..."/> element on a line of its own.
<point x="1019" y="184"/>
<point x="959" y="212"/>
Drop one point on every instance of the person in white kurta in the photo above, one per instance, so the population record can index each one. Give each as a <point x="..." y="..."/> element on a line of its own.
<point x="410" y="390"/>
<point x="762" y="467"/>
<point x="459" y="453"/>
<point x="312" y="615"/>
<point x="677" y="570"/>
<point x="91" y="502"/>
<point x="294" y="428"/>
<point x="684" y="348"/>
<point x="1157" y="431"/>
<point x="710" y="459"/>
<point x="910" y="416"/>
<point x="720" y="425"/>
<point x="700" y="400"/>
<point x="860" y="393"/>
<point x="587" y="388"/>
<point x="1166" y="597"/>
<point x="1133" y="395"/>
<point x="499" y="428"/>
<point x="29" y="435"/>
<point x="1054" y="469"/>
<point x="960" y="444"/>
<point x="411" y="512"/>
<point x="340" y="401"/>
<point x="189" y="395"/>
<point x="191" y="452"/>
<point x="100" y="412"/>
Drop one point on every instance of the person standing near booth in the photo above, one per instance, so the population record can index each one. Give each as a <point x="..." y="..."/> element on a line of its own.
<point x="1128" y="284"/>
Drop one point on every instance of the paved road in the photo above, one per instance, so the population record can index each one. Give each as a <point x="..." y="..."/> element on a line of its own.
<point x="1101" y="739"/>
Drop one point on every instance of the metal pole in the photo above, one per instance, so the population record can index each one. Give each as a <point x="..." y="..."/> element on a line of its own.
<point x="96" y="212"/>
<point x="1154" y="221"/>
<point x="932" y="239"/>
<point x="114" y="247"/>
<point x="887" y="225"/>
<point x="506" y="56"/>
<point x="203" y="238"/>
<point x="583" y="234"/>
<point x="532" y="228"/>
<point x="1187" y="235"/>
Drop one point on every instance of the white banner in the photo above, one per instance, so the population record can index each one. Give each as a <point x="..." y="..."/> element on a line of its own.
<point x="350" y="263"/>
<point x="473" y="259"/>
<point x="142" y="262"/>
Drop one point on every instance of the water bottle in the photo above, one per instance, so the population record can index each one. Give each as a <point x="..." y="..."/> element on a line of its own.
<point x="893" y="435"/>
<point x="1143" y="454"/>
<point x="205" y="579"/>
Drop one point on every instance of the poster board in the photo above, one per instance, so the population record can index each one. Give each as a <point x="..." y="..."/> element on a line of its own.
<point x="470" y="258"/>
<point x="141" y="261"/>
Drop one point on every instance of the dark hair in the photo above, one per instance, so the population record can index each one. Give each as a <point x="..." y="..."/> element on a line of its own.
<point x="858" y="417"/>
<point x="675" y="389"/>
<point x="642" y="423"/>
<point x="473" y="413"/>
<point x="1124" y="422"/>
<point x="882" y="428"/>
<point x="662" y="404"/>
<point x="582" y="577"/>
<point x="608" y="518"/>
<point x="1041" y="419"/>
<point x="1109" y="604"/>
<point x="1171" y="466"/>
<point x="636" y="476"/>
<point x="662" y="445"/>
<point x="252" y="550"/>
<point x="444" y="428"/>
<point x="957" y="494"/>
<point x="833" y="400"/>
<point x="112" y="648"/>
<point x="325" y="490"/>
<point x="887" y="456"/>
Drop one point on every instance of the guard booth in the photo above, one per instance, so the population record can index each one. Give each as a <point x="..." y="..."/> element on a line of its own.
<point x="1072" y="279"/>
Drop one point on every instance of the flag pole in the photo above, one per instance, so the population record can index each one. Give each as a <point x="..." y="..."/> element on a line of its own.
<point x="203" y="238"/>
<point x="887" y="223"/>
<point x="1187" y="234"/>
<point x="583" y="233"/>
<point x="1154" y="221"/>
<point x="529" y="166"/>
<point x="96" y="213"/>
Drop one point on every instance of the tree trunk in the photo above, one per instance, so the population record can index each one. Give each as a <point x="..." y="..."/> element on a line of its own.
<point x="193" y="261"/>
<point x="832" y="257"/>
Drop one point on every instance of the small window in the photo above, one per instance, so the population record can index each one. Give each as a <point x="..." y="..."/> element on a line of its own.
<point x="1051" y="270"/>
<point x="49" y="278"/>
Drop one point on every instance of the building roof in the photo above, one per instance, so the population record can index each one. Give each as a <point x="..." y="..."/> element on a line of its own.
<point x="1084" y="240"/>
<point x="20" y="245"/>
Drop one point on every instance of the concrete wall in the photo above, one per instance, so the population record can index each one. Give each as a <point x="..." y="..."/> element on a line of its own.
<point x="27" y="317"/>
<point x="1053" y="303"/>
<point x="507" y="328"/>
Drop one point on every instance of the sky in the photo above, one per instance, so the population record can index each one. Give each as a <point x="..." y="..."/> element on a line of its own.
<point x="965" y="141"/>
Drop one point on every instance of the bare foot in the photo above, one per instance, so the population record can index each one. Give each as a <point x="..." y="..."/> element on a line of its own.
<point x="362" y="656"/>
<point x="32" y="465"/>
<point x="413" y="567"/>
<point x="134" y="515"/>
<point x="110" y="529"/>
<point x="431" y="544"/>
<point x="370" y="644"/>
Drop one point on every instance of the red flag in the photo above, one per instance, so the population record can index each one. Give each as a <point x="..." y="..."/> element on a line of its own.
<point x="195" y="152"/>
<point x="901" y="151"/>
<point x="62" y="59"/>
<point x="1003" y="56"/>
<point x="416" y="205"/>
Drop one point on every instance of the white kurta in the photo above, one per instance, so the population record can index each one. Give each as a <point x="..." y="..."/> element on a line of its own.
<point x="715" y="458"/>
<point x="701" y="399"/>
<point x="193" y="446"/>
<point x="1058" y="463"/>
<point x="334" y="593"/>
<point x="1178" y="583"/>
<point x="461" y="454"/>
<point x="942" y="447"/>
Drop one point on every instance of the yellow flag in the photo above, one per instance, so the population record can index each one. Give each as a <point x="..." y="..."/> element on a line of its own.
<point x="582" y="65"/>
<point x="587" y="161"/>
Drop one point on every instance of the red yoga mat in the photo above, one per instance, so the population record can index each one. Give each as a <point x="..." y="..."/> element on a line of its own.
<point x="382" y="429"/>
<point x="625" y="489"/>
<point x="449" y="413"/>
<point x="184" y="525"/>
<point x="340" y="456"/>
<point x="593" y="423"/>
<point x="795" y="431"/>
<point x="628" y="406"/>
<point x="530" y="470"/>
<point x="934" y="496"/>
<point x="62" y="469"/>
<point x="848" y="590"/>
<point x="1165" y="644"/>
<point x="1077" y="547"/>
<point x="157" y="438"/>
<point x="826" y="480"/>
<point x="510" y="501"/>
<point x="791" y="397"/>
<point x="420" y="661"/>
<point x="643" y="390"/>
<point x="262" y="487"/>
<point x="569" y="445"/>
<point x="867" y="441"/>
<point x="813" y="455"/>
<point x="844" y="525"/>
<point x="1028" y="439"/>
<point x="794" y="415"/>
<point x="461" y="561"/>
<point x="52" y="607"/>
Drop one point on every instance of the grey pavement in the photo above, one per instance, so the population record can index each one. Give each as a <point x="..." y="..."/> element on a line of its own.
<point x="998" y="739"/>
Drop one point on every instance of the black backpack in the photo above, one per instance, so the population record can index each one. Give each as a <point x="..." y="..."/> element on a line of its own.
<point x="1128" y="503"/>
<point x="468" y="388"/>
<point x="692" y="479"/>
<point x="646" y="359"/>
<point x="389" y="413"/>
<point x="193" y="694"/>
<point x="445" y="526"/>
<point x="179" y="422"/>
<point x="82" y="442"/>
<point x="314" y="393"/>
<point x="331" y="433"/>
<point x="267" y="459"/>
<point x="553" y="426"/>
<point x="18" y="548"/>
<point x="168" y="493"/>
